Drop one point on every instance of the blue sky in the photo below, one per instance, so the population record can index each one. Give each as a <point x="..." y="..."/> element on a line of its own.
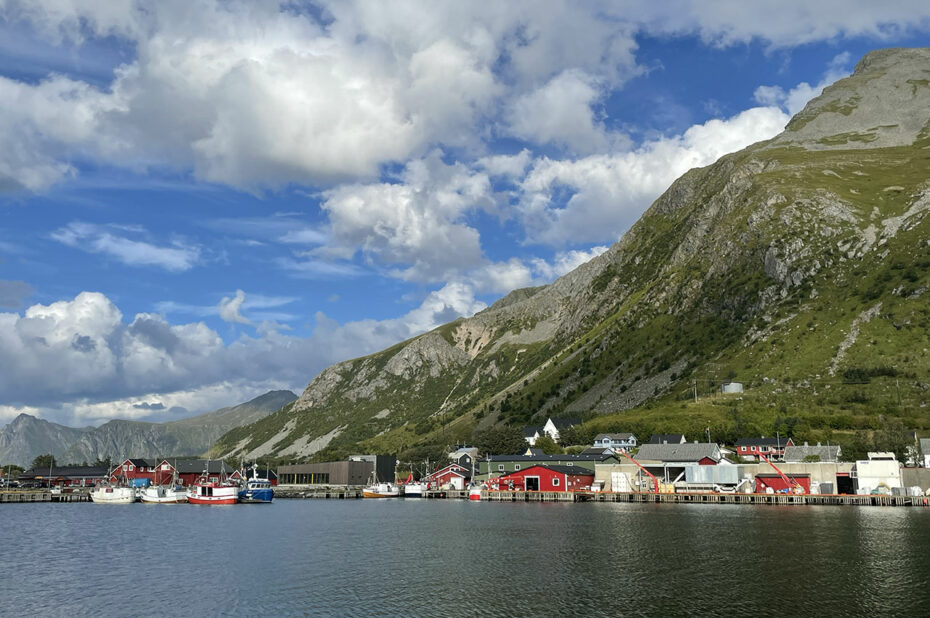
<point x="203" y="201"/>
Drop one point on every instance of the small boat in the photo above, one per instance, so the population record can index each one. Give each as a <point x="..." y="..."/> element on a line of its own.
<point x="415" y="490"/>
<point x="113" y="494"/>
<point x="381" y="490"/>
<point x="209" y="490"/>
<point x="475" y="492"/>
<point x="257" y="490"/>
<point x="161" y="494"/>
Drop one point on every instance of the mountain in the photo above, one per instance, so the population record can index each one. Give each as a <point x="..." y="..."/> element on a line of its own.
<point x="797" y="266"/>
<point x="26" y="437"/>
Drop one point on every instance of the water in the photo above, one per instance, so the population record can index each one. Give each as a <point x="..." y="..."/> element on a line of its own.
<point x="460" y="558"/>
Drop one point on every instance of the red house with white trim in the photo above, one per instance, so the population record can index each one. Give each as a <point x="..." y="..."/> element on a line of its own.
<point x="545" y="478"/>
<point x="453" y="475"/>
<point x="771" y="448"/>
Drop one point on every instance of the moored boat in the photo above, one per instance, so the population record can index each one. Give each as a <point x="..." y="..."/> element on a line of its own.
<point x="257" y="490"/>
<point x="415" y="490"/>
<point x="475" y="492"/>
<point x="112" y="494"/>
<point x="381" y="490"/>
<point x="213" y="492"/>
<point x="160" y="494"/>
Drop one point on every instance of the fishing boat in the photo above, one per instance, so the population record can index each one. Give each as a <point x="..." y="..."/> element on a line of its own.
<point x="380" y="490"/>
<point x="112" y="494"/>
<point x="213" y="490"/>
<point x="257" y="490"/>
<point x="163" y="494"/>
<point x="475" y="492"/>
<point x="413" y="489"/>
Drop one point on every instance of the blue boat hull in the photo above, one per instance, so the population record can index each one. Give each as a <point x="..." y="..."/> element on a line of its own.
<point x="256" y="496"/>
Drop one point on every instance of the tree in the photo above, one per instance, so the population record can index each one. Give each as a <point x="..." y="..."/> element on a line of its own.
<point x="506" y="440"/>
<point x="103" y="463"/>
<point x="548" y="445"/>
<point x="44" y="461"/>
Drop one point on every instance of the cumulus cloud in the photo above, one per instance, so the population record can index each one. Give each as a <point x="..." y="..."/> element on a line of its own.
<point x="104" y="239"/>
<point x="416" y="225"/>
<point x="80" y="359"/>
<point x="610" y="191"/>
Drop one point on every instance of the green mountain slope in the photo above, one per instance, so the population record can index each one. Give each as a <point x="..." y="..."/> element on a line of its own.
<point x="798" y="266"/>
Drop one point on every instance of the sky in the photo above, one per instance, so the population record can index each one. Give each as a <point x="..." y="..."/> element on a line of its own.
<point x="202" y="201"/>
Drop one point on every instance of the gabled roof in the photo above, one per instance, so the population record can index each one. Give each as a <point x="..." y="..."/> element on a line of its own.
<point x="796" y="454"/>
<point x="142" y="463"/>
<point x="678" y="453"/>
<point x="562" y="423"/>
<point x="671" y="438"/>
<point x="763" y="441"/>
<point x="196" y="466"/>
<point x="614" y="436"/>
<point x="531" y="430"/>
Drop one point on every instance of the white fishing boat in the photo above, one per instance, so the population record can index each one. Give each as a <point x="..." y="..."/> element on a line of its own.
<point x="415" y="490"/>
<point x="162" y="494"/>
<point x="381" y="490"/>
<point x="213" y="491"/>
<point x="113" y="494"/>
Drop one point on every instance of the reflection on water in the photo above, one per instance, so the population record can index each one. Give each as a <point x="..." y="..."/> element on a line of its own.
<point x="459" y="558"/>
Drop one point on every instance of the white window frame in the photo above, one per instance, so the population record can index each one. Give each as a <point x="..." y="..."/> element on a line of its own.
<point x="555" y="481"/>
<point x="516" y="467"/>
<point x="500" y="467"/>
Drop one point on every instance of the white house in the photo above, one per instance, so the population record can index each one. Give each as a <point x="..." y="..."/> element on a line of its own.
<point x="553" y="425"/>
<point x="881" y="471"/>
<point x="615" y="441"/>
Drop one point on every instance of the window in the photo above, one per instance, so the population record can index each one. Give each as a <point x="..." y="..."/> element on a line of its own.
<point x="500" y="467"/>
<point x="516" y="467"/>
<point x="569" y="464"/>
<point x="555" y="482"/>
<point x="131" y="467"/>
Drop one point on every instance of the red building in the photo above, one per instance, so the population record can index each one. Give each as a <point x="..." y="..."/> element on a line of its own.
<point x="454" y="475"/>
<point x="545" y="478"/>
<point x="162" y="471"/>
<point x="770" y="448"/>
<point x="778" y="484"/>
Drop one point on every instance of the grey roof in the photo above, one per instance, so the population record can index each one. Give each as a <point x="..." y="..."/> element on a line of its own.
<point x="597" y="450"/>
<point x="66" y="471"/>
<point x="796" y="454"/>
<point x="614" y="436"/>
<point x="671" y="438"/>
<point x="678" y="452"/>
<point x="562" y="423"/>
<point x="530" y="431"/>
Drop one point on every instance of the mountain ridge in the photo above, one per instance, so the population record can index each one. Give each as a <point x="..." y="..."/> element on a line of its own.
<point x="762" y="265"/>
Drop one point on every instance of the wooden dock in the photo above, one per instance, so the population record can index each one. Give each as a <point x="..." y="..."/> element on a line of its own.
<point x="43" y="496"/>
<point x="705" y="498"/>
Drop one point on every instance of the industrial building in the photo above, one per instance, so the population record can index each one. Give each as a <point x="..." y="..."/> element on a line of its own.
<point x="356" y="470"/>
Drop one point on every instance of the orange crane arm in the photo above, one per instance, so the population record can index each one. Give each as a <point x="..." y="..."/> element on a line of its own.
<point x="789" y="481"/>
<point x="655" y="481"/>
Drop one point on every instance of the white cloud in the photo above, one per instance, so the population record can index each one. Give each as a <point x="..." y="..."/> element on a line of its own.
<point x="102" y="239"/>
<point x="560" y="112"/>
<point x="610" y="191"/>
<point x="564" y="262"/>
<point x="416" y="225"/>
<point x="508" y="166"/>
<point x="13" y="293"/>
<point x="78" y="360"/>
<point x="229" y="308"/>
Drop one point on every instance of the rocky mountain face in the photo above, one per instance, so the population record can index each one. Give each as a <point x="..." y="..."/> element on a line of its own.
<point x="27" y="437"/>
<point x="790" y="265"/>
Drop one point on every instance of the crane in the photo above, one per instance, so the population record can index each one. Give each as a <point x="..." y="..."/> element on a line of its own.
<point x="655" y="481"/>
<point x="798" y="489"/>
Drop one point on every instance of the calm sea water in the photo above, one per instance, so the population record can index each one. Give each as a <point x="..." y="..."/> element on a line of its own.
<point x="459" y="558"/>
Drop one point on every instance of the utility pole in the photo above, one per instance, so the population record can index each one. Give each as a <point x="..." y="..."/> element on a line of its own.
<point x="694" y="388"/>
